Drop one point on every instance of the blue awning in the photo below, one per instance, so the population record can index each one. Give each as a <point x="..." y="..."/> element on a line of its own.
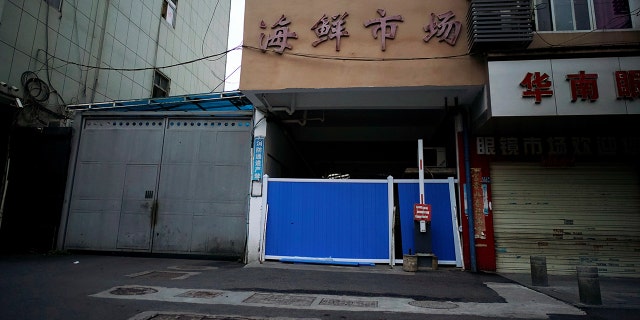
<point x="221" y="101"/>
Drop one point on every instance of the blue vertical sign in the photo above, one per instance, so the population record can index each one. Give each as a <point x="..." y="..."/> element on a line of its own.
<point x="258" y="158"/>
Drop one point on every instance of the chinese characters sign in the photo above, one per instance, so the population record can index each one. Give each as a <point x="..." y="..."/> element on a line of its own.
<point x="443" y="27"/>
<point x="590" y="86"/>
<point x="258" y="159"/>
<point x="628" y="84"/>
<point x="383" y="27"/>
<point x="583" y="86"/>
<point x="537" y="86"/>
<point x="558" y="146"/>
<point x="330" y="30"/>
<point x="280" y="37"/>
<point x="386" y="26"/>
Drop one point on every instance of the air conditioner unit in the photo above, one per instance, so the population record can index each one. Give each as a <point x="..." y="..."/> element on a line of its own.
<point x="435" y="157"/>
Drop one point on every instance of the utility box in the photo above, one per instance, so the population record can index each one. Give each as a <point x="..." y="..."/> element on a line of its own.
<point x="422" y="228"/>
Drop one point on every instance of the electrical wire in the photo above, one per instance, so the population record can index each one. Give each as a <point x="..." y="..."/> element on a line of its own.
<point x="39" y="91"/>
<point x="49" y="57"/>
<point x="146" y="68"/>
<point x="338" y="58"/>
<point x="204" y="38"/>
<point x="313" y="56"/>
<point x="227" y="77"/>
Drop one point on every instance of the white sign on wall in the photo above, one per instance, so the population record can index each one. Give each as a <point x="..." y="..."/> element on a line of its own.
<point x="595" y="86"/>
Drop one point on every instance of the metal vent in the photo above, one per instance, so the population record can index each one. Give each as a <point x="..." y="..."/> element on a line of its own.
<point x="496" y="25"/>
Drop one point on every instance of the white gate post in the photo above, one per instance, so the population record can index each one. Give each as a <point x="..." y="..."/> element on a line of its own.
<point x="264" y="217"/>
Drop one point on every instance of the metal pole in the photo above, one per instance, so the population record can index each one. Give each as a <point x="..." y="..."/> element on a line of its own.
<point x="469" y="206"/>
<point x="4" y="188"/>
<point x="421" y="170"/>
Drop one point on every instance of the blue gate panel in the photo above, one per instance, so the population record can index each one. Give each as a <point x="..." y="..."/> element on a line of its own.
<point x="327" y="220"/>
<point x="436" y="194"/>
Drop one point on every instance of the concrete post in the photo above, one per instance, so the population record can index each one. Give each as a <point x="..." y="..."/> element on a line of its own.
<point x="589" y="285"/>
<point x="539" y="271"/>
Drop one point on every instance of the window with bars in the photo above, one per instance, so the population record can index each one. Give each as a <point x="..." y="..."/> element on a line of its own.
<point x="161" y="85"/>
<point x="169" y="10"/>
<point x="575" y="15"/>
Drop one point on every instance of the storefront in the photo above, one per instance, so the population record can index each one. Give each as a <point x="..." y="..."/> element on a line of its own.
<point x="558" y="150"/>
<point x="346" y="89"/>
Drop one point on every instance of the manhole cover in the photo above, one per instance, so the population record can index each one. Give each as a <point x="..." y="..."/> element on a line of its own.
<point x="349" y="303"/>
<point x="174" y="275"/>
<point x="132" y="291"/>
<point x="280" y="299"/>
<point x="199" y="294"/>
<point x="433" y="304"/>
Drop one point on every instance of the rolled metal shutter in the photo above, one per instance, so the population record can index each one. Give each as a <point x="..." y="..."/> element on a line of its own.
<point x="583" y="215"/>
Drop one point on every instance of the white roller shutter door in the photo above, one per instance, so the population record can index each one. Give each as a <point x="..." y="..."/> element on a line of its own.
<point x="587" y="214"/>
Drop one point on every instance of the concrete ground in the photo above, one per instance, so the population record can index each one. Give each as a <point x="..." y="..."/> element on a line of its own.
<point x="621" y="295"/>
<point x="84" y="286"/>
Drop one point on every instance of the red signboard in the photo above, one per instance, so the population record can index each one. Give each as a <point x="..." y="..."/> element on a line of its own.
<point x="422" y="212"/>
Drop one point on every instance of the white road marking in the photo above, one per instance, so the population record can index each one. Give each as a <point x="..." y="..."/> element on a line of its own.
<point x="521" y="302"/>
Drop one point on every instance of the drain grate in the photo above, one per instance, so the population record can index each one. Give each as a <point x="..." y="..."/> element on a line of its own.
<point x="132" y="291"/>
<point x="349" y="303"/>
<point x="200" y="294"/>
<point x="280" y="299"/>
<point x="433" y="304"/>
<point x="173" y="275"/>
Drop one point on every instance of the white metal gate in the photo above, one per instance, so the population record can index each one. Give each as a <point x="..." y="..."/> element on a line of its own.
<point x="161" y="185"/>
<point x="587" y="214"/>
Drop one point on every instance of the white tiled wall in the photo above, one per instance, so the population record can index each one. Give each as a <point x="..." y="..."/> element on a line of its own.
<point x="136" y="37"/>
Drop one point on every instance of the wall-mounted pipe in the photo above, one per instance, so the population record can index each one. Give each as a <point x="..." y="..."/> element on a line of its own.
<point x="303" y="122"/>
<point x="290" y="110"/>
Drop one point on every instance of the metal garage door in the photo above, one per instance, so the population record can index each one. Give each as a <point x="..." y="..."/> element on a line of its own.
<point x="587" y="214"/>
<point x="161" y="185"/>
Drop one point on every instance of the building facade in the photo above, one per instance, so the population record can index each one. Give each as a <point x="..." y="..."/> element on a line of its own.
<point x="346" y="90"/>
<point x="60" y="53"/>
<point x="73" y="52"/>
<point x="561" y="174"/>
<point x="531" y="106"/>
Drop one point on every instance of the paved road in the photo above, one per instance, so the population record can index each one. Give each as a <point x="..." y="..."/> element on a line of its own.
<point x="116" y="287"/>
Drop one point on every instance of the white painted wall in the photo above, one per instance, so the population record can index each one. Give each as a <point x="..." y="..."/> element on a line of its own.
<point x="256" y="206"/>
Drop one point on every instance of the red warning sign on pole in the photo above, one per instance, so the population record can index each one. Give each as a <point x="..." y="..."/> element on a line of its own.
<point x="422" y="212"/>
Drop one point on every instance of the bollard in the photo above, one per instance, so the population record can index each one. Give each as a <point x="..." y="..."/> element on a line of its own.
<point x="589" y="285"/>
<point x="539" y="271"/>
<point x="410" y="263"/>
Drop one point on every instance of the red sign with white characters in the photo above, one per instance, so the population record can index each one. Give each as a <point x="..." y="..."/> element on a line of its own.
<point x="422" y="212"/>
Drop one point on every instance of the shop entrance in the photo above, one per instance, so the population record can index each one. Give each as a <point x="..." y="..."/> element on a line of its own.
<point x="361" y="144"/>
<point x="363" y="133"/>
